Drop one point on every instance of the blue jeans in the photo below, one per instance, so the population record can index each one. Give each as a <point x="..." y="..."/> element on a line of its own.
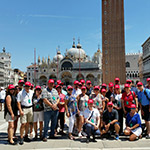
<point x="91" y="131"/>
<point x="50" y="116"/>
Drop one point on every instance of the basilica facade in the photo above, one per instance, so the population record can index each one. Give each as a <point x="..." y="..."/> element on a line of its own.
<point x="75" y="64"/>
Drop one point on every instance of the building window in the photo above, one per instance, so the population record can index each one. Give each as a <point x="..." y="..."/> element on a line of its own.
<point x="105" y="42"/>
<point x="105" y="31"/>
<point x="105" y="12"/>
<point x="106" y="52"/>
<point x="127" y="64"/>
<point x="105" y="3"/>
<point x="29" y="73"/>
<point x="105" y="22"/>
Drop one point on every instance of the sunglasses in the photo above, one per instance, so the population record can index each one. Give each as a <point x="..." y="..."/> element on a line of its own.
<point x="139" y="85"/>
<point x="109" y="106"/>
<point x="70" y="89"/>
<point x="133" y="108"/>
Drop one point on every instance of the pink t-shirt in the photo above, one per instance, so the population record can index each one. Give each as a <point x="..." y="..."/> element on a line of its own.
<point x="61" y="107"/>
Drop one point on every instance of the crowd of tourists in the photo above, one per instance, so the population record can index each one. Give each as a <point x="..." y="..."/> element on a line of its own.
<point x="92" y="110"/>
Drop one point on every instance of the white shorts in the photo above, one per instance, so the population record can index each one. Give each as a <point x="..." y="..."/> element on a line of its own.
<point x="9" y="118"/>
<point x="38" y="116"/>
<point x="137" y="131"/>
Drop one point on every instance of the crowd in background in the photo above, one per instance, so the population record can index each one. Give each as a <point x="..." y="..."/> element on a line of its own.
<point x="92" y="110"/>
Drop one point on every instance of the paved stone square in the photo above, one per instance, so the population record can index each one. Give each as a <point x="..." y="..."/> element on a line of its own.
<point x="66" y="144"/>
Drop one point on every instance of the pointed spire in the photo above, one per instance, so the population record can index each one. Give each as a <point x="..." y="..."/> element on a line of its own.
<point x="98" y="48"/>
<point x="73" y="46"/>
<point x="79" y="45"/>
<point x="39" y="60"/>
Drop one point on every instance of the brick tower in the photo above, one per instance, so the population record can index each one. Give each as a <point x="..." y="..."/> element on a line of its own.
<point x="113" y="41"/>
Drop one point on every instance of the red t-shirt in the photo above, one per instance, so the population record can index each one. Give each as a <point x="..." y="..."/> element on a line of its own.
<point x="128" y="99"/>
<point x="61" y="107"/>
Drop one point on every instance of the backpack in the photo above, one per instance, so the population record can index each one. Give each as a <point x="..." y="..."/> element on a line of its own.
<point x="146" y="95"/>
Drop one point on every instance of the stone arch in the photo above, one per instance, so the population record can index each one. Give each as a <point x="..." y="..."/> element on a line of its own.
<point x="66" y="78"/>
<point x="90" y="77"/>
<point x="127" y="64"/>
<point x="43" y="80"/>
<point x="53" y="76"/>
<point x="79" y="77"/>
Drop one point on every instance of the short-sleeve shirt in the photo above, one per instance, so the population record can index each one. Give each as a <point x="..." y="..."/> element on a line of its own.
<point x="142" y="97"/>
<point x="75" y="92"/>
<point x="25" y="98"/>
<point x="131" y="121"/>
<point x="61" y="107"/>
<point x="83" y="102"/>
<point x="128" y="99"/>
<point x="37" y="104"/>
<point x="108" y="94"/>
<point x="72" y="104"/>
<point x="89" y="91"/>
<point x="87" y="114"/>
<point x="117" y="99"/>
<point x="97" y="101"/>
<point x="110" y="116"/>
<point x="51" y="96"/>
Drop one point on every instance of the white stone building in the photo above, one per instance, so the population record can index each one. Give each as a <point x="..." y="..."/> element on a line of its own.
<point x="146" y="59"/>
<point x="74" y="65"/>
<point x="132" y="66"/>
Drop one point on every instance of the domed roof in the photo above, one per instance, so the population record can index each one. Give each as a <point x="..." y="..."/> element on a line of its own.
<point x="58" y="57"/>
<point x="76" y="52"/>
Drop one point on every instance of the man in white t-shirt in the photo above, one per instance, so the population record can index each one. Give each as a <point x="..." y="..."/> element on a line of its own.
<point x="92" y="120"/>
<point x="24" y="99"/>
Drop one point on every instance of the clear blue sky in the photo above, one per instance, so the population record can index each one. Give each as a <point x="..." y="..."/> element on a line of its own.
<point x="45" y="24"/>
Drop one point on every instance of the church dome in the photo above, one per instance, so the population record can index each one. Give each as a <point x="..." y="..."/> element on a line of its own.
<point x="58" y="57"/>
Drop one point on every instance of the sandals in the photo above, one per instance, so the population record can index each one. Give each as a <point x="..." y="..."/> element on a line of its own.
<point x="71" y="137"/>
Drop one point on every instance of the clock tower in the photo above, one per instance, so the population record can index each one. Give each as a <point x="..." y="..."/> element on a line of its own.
<point x="113" y="41"/>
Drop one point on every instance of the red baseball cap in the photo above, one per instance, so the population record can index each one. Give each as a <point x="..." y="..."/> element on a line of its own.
<point x="76" y="82"/>
<point x="51" y="81"/>
<point x="38" y="87"/>
<point x="148" y="79"/>
<point x="58" y="81"/>
<point x="127" y="85"/>
<point x="88" y="82"/>
<point x="21" y="81"/>
<point x="111" y="84"/>
<point x="139" y="84"/>
<point x="58" y="86"/>
<point x="117" y="86"/>
<point x="133" y="106"/>
<point x="129" y="81"/>
<point x="82" y="81"/>
<point x="117" y="79"/>
<point x="104" y="85"/>
<point x="69" y="87"/>
<point x="96" y="87"/>
<point x="11" y="86"/>
<point x="90" y="101"/>
<point x="103" y="90"/>
<point x="110" y="103"/>
<point x="83" y="87"/>
<point x="27" y="83"/>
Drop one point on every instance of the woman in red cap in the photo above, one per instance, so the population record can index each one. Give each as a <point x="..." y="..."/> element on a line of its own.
<point x="82" y="101"/>
<point x="38" y="111"/>
<point x="133" y="124"/>
<point x="128" y="98"/>
<point x="10" y="113"/>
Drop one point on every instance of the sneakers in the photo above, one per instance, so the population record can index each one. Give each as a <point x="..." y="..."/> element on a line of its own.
<point x="21" y="141"/>
<point x="44" y="139"/>
<point x="148" y="137"/>
<point x="87" y="140"/>
<point x="117" y="137"/>
<point x="80" y="135"/>
<point x="26" y="139"/>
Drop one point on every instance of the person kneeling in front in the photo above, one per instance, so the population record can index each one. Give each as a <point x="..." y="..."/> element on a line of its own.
<point x="133" y="124"/>
<point x="92" y="121"/>
<point x="110" y="120"/>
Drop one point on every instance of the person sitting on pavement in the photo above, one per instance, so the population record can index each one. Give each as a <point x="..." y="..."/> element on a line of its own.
<point x="144" y="101"/>
<point x="110" y="120"/>
<point x="92" y="121"/>
<point x="133" y="124"/>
